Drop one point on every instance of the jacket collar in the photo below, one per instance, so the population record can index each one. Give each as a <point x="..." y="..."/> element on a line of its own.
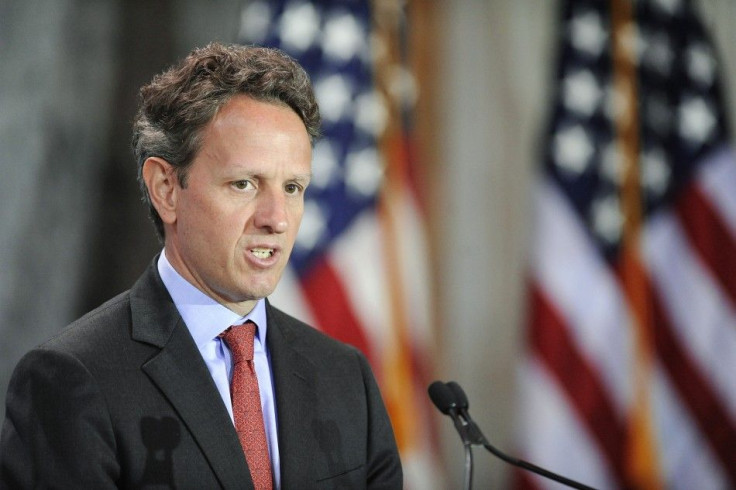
<point x="182" y="376"/>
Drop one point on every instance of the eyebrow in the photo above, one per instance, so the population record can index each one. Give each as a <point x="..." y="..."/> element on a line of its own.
<point x="303" y="177"/>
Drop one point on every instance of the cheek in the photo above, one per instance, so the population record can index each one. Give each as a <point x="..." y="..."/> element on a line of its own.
<point x="218" y="216"/>
<point x="295" y="222"/>
<point x="211" y="225"/>
<point x="297" y="211"/>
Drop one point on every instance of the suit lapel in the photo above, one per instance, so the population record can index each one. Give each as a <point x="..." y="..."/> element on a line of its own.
<point x="182" y="376"/>
<point x="296" y="402"/>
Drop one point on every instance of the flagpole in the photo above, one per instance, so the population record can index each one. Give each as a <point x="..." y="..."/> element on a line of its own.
<point x="640" y="463"/>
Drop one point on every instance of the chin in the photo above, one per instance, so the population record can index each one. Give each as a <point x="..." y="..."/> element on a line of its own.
<point x="258" y="292"/>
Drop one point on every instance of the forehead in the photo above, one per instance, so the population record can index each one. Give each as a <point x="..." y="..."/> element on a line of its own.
<point x="247" y="130"/>
<point x="243" y="111"/>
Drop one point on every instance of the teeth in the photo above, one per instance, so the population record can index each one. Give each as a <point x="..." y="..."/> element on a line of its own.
<point x="262" y="253"/>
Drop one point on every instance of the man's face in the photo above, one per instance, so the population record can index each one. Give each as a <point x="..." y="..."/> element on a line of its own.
<point x="237" y="218"/>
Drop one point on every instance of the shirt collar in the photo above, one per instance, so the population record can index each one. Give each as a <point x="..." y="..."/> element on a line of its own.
<point x="204" y="317"/>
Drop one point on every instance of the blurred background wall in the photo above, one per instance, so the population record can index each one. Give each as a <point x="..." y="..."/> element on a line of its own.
<point x="73" y="232"/>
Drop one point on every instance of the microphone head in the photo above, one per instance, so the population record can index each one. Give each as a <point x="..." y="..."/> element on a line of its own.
<point x="442" y="397"/>
<point x="458" y="395"/>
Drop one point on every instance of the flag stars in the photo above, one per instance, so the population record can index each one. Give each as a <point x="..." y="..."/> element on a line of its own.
<point x="325" y="166"/>
<point x="334" y="95"/>
<point x="701" y="65"/>
<point x="658" y="114"/>
<point x="255" y="20"/>
<point x="371" y="113"/>
<point x="618" y="104"/>
<point x="582" y="93"/>
<point x="343" y="37"/>
<point x="363" y="172"/>
<point x="612" y="163"/>
<point x="402" y="86"/>
<point x="587" y="33"/>
<point x="572" y="149"/>
<point x="658" y="54"/>
<point x="299" y="26"/>
<point x="628" y="42"/>
<point x="696" y="120"/>
<point x="607" y="218"/>
<point x="670" y="7"/>
<point x="655" y="171"/>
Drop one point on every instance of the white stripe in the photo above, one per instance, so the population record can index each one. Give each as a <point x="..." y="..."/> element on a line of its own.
<point x="551" y="434"/>
<point x="717" y="177"/>
<point x="701" y="316"/>
<point x="685" y="457"/>
<point x="357" y="257"/>
<point x="580" y="285"/>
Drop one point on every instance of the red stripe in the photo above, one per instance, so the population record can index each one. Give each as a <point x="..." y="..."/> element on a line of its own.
<point x="709" y="236"/>
<point x="695" y="391"/>
<point x="555" y="347"/>
<point x="332" y="309"/>
<point x="522" y="480"/>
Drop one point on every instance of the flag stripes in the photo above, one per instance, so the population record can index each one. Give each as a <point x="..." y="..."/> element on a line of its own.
<point x="693" y="396"/>
<point x="325" y="294"/>
<point x="709" y="237"/>
<point x="359" y="269"/>
<point x="704" y="407"/>
<point x="632" y="306"/>
<point x="554" y="347"/>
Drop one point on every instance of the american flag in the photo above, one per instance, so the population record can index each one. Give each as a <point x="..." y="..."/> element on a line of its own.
<point x="359" y="266"/>
<point x="630" y="377"/>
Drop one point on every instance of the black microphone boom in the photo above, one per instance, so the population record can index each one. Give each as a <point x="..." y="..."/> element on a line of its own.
<point x="455" y="402"/>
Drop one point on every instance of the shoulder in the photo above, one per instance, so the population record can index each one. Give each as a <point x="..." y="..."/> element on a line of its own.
<point x="101" y="325"/>
<point x="64" y="366"/>
<point x="81" y="350"/>
<point x="105" y="328"/>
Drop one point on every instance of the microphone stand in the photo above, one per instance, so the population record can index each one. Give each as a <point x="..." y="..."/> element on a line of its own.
<point x="463" y="428"/>
<point x="468" y="479"/>
<point x="473" y="435"/>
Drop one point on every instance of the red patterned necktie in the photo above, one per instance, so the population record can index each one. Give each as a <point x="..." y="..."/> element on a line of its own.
<point x="247" y="404"/>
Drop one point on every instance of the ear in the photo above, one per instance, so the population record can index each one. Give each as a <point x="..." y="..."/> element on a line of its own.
<point x="163" y="187"/>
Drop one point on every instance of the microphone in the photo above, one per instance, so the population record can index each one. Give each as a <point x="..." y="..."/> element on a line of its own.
<point x="443" y="397"/>
<point x="474" y="433"/>
<point x="454" y="399"/>
<point x="446" y="401"/>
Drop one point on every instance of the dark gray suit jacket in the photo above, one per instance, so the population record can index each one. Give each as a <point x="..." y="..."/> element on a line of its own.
<point x="122" y="399"/>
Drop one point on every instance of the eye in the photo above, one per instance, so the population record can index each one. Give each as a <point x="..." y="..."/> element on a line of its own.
<point x="293" y="188"/>
<point x="242" y="184"/>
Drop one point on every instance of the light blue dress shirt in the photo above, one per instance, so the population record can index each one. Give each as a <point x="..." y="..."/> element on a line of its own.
<point x="206" y="319"/>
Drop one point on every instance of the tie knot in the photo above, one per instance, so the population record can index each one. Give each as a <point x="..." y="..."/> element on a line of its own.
<point x="239" y="339"/>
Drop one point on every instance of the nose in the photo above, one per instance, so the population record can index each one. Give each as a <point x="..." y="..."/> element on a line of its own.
<point x="271" y="213"/>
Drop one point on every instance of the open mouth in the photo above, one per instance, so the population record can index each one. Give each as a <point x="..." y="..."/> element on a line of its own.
<point x="262" y="253"/>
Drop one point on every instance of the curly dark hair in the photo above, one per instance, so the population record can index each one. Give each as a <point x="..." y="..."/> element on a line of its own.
<point x="178" y="103"/>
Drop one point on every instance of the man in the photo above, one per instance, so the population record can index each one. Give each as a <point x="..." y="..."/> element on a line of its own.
<point x="137" y="393"/>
